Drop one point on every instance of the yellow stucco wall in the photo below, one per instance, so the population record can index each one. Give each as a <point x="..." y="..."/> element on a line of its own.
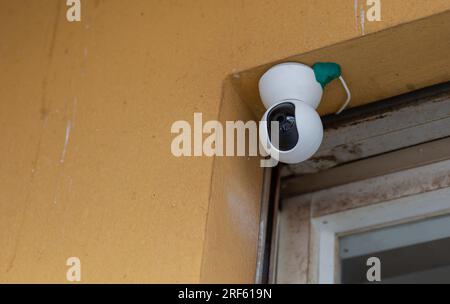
<point x="110" y="192"/>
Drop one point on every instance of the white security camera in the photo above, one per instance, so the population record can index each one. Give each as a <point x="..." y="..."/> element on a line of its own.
<point x="291" y="92"/>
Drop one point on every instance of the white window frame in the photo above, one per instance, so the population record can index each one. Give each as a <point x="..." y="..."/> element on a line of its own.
<point x="311" y="223"/>
<point x="327" y="229"/>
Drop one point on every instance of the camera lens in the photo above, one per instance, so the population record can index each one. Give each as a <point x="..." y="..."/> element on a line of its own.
<point x="284" y="114"/>
<point x="287" y="123"/>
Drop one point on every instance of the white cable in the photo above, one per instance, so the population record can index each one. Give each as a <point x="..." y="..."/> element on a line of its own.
<point x="349" y="96"/>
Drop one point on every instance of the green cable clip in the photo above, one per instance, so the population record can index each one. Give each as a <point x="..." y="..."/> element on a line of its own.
<point x="326" y="72"/>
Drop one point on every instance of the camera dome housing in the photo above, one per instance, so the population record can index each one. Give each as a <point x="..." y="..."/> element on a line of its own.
<point x="300" y="131"/>
<point x="290" y="81"/>
<point x="291" y="93"/>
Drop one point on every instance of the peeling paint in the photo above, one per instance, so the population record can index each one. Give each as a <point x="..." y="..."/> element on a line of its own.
<point x="66" y="142"/>
<point x="382" y="188"/>
<point x="362" y="17"/>
<point x="69" y="127"/>
<point x="68" y="130"/>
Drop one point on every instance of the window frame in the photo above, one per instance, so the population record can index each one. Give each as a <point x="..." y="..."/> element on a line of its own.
<point x="327" y="229"/>
<point x="313" y="195"/>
